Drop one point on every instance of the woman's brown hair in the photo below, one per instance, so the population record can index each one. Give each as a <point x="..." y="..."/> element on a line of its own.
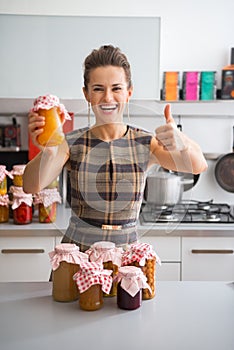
<point x="106" y="55"/>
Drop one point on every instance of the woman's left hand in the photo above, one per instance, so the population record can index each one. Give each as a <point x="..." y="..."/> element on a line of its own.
<point x="168" y="135"/>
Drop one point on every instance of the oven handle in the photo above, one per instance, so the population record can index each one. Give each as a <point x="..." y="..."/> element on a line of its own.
<point x="212" y="251"/>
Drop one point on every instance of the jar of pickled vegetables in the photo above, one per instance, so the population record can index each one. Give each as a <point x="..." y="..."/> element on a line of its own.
<point x="17" y="172"/>
<point x="4" y="208"/>
<point x="92" y="280"/>
<point x="47" y="200"/>
<point x="65" y="261"/>
<point x="142" y="255"/>
<point x="21" y="206"/>
<point x="131" y="281"/>
<point x="3" y="179"/>
<point x="110" y="256"/>
<point x="55" y="115"/>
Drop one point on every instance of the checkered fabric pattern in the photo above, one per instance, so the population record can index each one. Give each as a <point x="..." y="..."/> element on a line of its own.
<point x="139" y="252"/>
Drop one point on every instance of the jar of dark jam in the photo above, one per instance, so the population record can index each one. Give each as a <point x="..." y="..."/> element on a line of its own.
<point x="4" y="208"/>
<point x="130" y="280"/>
<point x="21" y="206"/>
<point x="92" y="280"/>
<point x="65" y="261"/>
<point x="110" y="256"/>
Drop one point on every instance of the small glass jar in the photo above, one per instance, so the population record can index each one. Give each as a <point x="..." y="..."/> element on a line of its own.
<point x="92" y="280"/>
<point x="143" y="256"/>
<point x="4" y="208"/>
<point x="22" y="202"/>
<point x="65" y="261"/>
<point x="110" y="256"/>
<point x="47" y="200"/>
<point x="17" y="172"/>
<point x="22" y="215"/>
<point x="47" y="214"/>
<point x="131" y="280"/>
<point x="55" y="115"/>
<point x="3" y="179"/>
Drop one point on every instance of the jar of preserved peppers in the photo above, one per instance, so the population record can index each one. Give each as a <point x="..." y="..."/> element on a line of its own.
<point x="131" y="281"/>
<point x="65" y="261"/>
<point x="110" y="256"/>
<point x="4" y="208"/>
<point x="92" y="280"/>
<point x="21" y="206"/>
<point x="142" y="255"/>
<point x="55" y="115"/>
<point x="47" y="200"/>
<point x="3" y="179"/>
<point x="17" y="172"/>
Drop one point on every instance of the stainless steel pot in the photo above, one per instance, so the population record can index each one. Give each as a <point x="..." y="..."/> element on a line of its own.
<point x="164" y="188"/>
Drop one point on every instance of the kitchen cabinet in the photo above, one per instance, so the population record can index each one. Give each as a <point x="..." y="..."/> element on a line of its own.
<point x="25" y="259"/>
<point x="168" y="249"/>
<point x="207" y="259"/>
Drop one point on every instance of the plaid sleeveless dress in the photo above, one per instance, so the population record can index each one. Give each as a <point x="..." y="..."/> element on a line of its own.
<point x="107" y="185"/>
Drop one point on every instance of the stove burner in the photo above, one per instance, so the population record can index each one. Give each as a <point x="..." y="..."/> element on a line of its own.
<point x="212" y="217"/>
<point x="168" y="216"/>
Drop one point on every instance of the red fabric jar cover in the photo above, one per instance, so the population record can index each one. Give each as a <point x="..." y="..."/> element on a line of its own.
<point x="139" y="252"/>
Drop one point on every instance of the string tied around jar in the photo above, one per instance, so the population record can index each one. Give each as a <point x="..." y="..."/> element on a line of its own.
<point x="92" y="273"/>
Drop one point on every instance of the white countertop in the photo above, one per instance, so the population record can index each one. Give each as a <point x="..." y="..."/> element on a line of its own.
<point x="59" y="227"/>
<point x="182" y="316"/>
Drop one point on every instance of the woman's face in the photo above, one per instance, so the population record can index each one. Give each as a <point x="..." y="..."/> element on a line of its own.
<point x="108" y="93"/>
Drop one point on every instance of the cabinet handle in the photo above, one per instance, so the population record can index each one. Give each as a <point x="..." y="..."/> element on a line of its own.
<point x="212" y="251"/>
<point x="22" y="251"/>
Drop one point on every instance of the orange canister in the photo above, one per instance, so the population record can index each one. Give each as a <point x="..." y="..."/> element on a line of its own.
<point x="47" y="200"/>
<point x="21" y="206"/>
<point x="55" y="114"/>
<point x="92" y="280"/>
<point x="142" y="255"/>
<point x="3" y="179"/>
<point x="17" y="173"/>
<point x="4" y="208"/>
<point x="110" y="256"/>
<point x="65" y="261"/>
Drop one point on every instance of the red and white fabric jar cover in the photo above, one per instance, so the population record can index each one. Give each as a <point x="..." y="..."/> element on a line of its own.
<point x="17" y="173"/>
<point x="131" y="281"/>
<point x="92" y="280"/>
<point x="110" y="256"/>
<point x="21" y="205"/>
<point x="65" y="261"/>
<point x="47" y="200"/>
<point x="142" y="255"/>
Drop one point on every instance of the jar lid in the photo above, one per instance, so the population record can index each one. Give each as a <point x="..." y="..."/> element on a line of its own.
<point x="66" y="248"/>
<point x="103" y="251"/>
<point x="18" y="169"/>
<point x="4" y="172"/>
<point x="139" y="252"/>
<point x="68" y="252"/>
<point x="47" y="197"/>
<point x="48" y="102"/>
<point x="132" y="279"/>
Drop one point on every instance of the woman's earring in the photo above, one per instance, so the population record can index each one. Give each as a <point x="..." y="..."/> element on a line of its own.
<point x="89" y="123"/>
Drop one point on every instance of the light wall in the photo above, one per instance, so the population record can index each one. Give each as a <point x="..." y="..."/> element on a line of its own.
<point x="195" y="35"/>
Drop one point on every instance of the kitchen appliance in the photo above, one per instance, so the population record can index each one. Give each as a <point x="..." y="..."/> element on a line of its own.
<point x="188" y="211"/>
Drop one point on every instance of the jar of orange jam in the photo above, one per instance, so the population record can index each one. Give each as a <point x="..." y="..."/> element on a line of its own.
<point x="55" y="115"/>
<point x="4" y="208"/>
<point x="110" y="256"/>
<point x="3" y="179"/>
<point x="92" y="280"/>
<point x="65" y="261"/>
<point x="47" y="200"/>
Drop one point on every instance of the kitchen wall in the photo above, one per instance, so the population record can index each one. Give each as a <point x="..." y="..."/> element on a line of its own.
<point x="195" y="35"/>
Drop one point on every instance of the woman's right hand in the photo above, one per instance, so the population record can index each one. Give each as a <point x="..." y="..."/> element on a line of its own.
<point x="35" y="127"/>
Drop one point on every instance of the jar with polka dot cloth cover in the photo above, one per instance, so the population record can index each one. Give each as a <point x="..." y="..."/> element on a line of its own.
<point x="131" y="280"/>
<point x="92" y="280"/>
<point x="142" y="255"/>
<point x="47" y="200"/>
<point x="55" y="115"/>
<point x="3" y="179"/>
<point x="110" y="256"/>
<point x="65" y="261"/>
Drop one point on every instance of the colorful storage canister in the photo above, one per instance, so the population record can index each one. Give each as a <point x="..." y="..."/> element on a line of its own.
<point x="171" y="84"/>
<point x="208" y="86"/>
<point x="191" y="86"/>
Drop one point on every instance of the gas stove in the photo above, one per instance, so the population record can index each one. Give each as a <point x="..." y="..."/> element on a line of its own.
<point x="188" y="212"/>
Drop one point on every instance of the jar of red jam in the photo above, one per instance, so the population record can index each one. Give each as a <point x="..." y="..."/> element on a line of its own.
<point x="142" y="255"/>
<point x="65" y="261"/>
<point x="21" y="206"/>
<point x="17" y="172"/>
<point x="3" y="179"/>
<point x="47" y="200"/>
<point x="92" y="280"/>
<point x="55" y="115"/>
<point x="131" y="281"/>
<point x="110" y="256"/>
<point x="4" y="208"/>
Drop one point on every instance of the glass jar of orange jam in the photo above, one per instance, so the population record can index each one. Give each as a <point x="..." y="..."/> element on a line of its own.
<point x="4" y="208"/>
<point x="55" y="115"/>
<point x="65" y="261"/>
<point x="110" y="256"/>
<point x="92" y="280"/>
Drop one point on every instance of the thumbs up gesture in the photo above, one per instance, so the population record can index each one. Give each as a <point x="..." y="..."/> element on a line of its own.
<point x="168" y="135"/>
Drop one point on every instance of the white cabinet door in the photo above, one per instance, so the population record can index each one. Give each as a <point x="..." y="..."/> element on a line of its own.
<point x="208" y="259"/>
<point x="25" y="259"/>
<point x="168" y="250"/>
